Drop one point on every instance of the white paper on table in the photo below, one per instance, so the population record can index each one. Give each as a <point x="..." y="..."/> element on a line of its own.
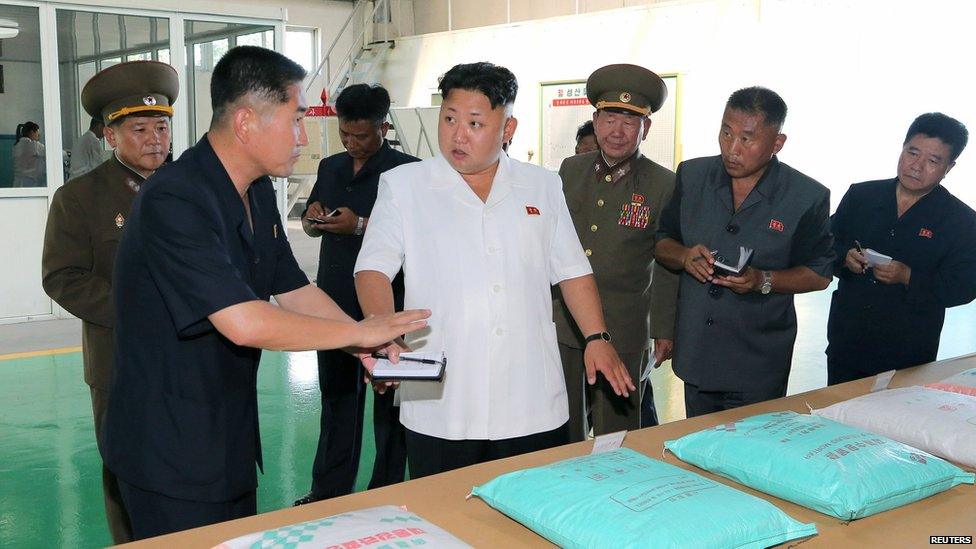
<point x="882" y="380"/>
<point x="608" y="442"/>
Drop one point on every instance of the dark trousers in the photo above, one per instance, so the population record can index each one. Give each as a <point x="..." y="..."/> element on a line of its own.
<point x="609" y="412"/>
<point x="843" y="367"/>
<point x="341" y="429"/>
<point x="115" y="514"/>
<point x="154" y="514"/>
<point x="431" y="455"/>
<point x="699" y="403"/>
<point x="841" y="371"/>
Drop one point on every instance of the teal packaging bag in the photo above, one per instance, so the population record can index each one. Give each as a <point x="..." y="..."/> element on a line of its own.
<point x="626" y="499"/>
<point x="838" y="470"/>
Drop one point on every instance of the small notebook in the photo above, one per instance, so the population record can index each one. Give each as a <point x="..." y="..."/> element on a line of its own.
<point x="412" y="367"/>
<point x="735" y="269"/>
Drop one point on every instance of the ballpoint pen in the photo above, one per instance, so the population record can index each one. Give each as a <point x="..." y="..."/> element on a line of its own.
<point x="408" y="358"/>
<point x="860" y="250"/>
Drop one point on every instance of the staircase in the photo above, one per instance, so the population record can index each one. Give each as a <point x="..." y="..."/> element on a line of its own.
<point x="355" y="53"/>
<point x="372" y="31"/>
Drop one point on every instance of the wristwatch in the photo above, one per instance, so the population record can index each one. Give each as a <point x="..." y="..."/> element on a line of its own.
<point x="359" y="227"/>
<point x="767" y="283"/>
<point x="605" y="336"/>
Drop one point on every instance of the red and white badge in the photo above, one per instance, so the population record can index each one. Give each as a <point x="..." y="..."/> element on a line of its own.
<point x="532" y="210"/>
<point x="927" y="233"/>
<point x="776" y="225"/>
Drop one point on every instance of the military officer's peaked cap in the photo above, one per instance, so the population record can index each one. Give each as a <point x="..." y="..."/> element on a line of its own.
<point x="144" y="88"/>
<point x="628" y="87"/>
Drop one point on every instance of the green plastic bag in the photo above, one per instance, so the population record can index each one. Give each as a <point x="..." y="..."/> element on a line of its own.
<point x="626" y="499"/>
<point x="838" y="470"/>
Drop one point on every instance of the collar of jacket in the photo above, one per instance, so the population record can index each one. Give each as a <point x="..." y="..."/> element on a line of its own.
<point x="766" y="186"/>
<point x="616" y="172"/>
<point x="135" y="179"/>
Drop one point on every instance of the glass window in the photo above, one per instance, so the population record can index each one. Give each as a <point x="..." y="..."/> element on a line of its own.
<point x="217" y="50"/>
<point x="89" y="42"/>
<point x="108" y="62"/>
<point x="163" y="55"/>
<point x="206" y="43"/>
<point x="300" y="47"/>
<point x="22" y="161"/>
<point x="264" y="39"/>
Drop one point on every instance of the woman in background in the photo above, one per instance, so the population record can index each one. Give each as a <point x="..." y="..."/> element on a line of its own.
<point x="29" y="169"/>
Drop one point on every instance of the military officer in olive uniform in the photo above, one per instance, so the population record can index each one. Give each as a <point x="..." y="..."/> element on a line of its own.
<point x="615" y="196"/>
<point x="87" y="217"/>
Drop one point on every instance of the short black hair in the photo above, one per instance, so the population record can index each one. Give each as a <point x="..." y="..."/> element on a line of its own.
<point x="496" y="82"/>
<point x="585" y="129"/>
<point x="944" y="128"/>
<point x="94" y="123"/>
<point x="759" y="100"/>
<point x="250" y="69"/>
<point x="363" y="102"/>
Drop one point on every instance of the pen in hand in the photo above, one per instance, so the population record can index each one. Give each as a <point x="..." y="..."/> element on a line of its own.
<point x="860" y="250"/>
<point x="407" y="358"/>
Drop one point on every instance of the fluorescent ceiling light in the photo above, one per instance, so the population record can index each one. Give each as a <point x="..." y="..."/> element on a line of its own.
<point x="9" y="29"/>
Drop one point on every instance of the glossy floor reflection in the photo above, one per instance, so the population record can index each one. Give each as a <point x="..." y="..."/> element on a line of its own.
<point x="50" y="484"/>
<point x="50" y="475"/>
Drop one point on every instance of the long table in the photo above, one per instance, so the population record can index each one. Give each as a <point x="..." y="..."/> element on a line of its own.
<point x="441" y="498"/>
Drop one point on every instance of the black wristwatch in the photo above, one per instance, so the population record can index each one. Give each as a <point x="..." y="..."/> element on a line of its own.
<point x="605" y="336"/>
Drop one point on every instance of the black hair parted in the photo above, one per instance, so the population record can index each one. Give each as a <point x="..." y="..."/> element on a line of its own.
<point x="942" y="127"/>
<point x="497" y="83"/>
<point x="585" y="129"/>
<point x="251" y="69"/>
<point x="363" y="102"/>
<point x="759" y="100"/>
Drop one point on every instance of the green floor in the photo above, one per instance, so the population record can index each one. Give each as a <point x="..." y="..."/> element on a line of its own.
<point x="50" y="475"/>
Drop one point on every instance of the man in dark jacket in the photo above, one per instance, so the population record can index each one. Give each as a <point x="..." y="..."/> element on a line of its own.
<point x="888" y="314"/>
<point x="202" y="253"/>
<point x="735" y="333"/>
<point x="338" y="211"/>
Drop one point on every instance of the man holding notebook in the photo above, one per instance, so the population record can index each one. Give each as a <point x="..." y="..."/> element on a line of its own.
<point x="481" y="239"/>
<point x="735" y="331"/>
<point x="917" y="257"/>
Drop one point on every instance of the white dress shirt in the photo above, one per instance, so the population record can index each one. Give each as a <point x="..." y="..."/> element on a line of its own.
<point x="87" y="154"/>
<point x="485" y="270"/>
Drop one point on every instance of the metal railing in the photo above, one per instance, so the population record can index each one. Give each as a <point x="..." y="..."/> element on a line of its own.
<point x="363" y="21"/>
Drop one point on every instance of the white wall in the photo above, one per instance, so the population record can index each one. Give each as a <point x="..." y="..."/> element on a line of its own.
<point x="24" y="219"/>
<point x="853" y="72"/>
